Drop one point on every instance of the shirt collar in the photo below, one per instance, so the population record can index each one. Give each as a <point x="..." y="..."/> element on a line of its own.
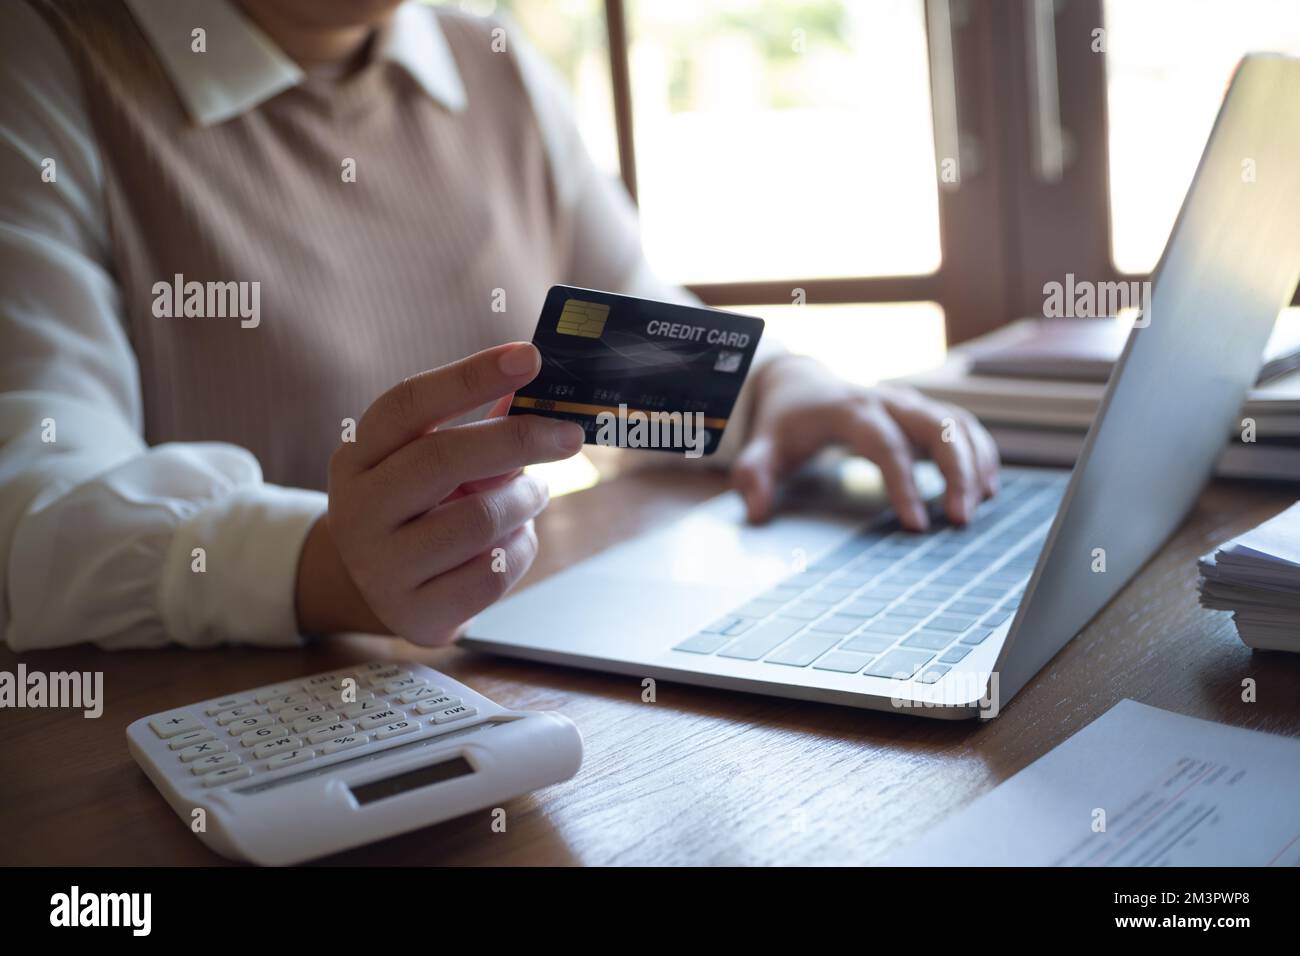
<point x="242" y="68"/>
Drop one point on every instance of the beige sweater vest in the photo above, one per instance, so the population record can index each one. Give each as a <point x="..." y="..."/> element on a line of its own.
<point x="361" y="283"/>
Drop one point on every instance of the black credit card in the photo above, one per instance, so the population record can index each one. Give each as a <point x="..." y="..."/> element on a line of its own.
<point x="636" y="373"/>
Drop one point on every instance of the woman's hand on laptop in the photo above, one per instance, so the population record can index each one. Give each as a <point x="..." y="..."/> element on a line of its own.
<point x="429" y="524"/>
<point x="801" y="408"/>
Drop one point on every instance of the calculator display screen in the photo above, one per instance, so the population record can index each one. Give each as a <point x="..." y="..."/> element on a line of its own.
<point x="411" y="780"/>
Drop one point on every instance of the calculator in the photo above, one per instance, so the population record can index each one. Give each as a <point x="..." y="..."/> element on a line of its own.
<point x="296" y="770"/>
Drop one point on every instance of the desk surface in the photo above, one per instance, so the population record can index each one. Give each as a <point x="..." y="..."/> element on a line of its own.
<point x="700" y="776"/>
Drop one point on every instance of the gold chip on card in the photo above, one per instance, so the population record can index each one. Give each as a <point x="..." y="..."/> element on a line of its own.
<point x="582" y="318"/>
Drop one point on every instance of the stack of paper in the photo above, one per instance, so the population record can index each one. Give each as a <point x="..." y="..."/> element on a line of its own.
<point x="1043" y="420"/>
<point x="1257" y="577"/>
<point x="1086" y="350"/>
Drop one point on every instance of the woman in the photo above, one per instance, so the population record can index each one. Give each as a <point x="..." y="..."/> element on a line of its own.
<point x="247" y="248"/>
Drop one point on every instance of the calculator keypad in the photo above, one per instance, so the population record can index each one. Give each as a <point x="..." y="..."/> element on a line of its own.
<point x="181" y="741"/>
<point x="252" y="722"/>
<point x="289" y="759"/>
<point x="428" y="705"/>
<point x="459" y="712"/>
<point x="206" y="749"/>
<point x="226" y="776"/>
<point x="395" y="728"/>
<point x="342" y="743"/>
<point x="291" y="724"/>
<point x="175" y="723"/>
<point x="214" y="762"/>
<point x="330" y="732"/>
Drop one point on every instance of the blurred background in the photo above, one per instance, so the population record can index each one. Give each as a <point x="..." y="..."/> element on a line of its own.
<point x="783" y="145"/>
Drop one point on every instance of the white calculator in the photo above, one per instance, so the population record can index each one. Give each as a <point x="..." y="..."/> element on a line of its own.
<point x="308" y="767"/>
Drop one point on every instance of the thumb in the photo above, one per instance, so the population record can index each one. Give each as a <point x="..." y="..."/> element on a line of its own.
<point x="754" y="476"/>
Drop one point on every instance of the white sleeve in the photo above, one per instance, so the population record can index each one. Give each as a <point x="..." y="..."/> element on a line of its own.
<point x="606" y="251"/>
<point x="100" y="534"/>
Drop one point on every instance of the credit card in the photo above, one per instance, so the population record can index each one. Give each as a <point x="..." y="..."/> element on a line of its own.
<point x="636" y="373"/>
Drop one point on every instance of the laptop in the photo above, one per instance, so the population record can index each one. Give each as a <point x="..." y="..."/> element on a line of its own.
<point x="849" y="609"/>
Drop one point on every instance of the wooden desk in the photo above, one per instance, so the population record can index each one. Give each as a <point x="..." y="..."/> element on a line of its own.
<point x="699" y="777"/>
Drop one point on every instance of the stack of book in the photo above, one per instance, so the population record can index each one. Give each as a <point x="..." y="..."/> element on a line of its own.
<point x="1257" y="577"/>
<point x="1036" y="385"/>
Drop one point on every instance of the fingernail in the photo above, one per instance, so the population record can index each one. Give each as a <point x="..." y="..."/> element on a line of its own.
<point x="569" y="436"/>
<point x="917" y="516"/>
<point x="523" y="359"/>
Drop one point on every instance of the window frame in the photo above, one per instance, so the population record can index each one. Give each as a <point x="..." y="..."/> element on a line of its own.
<point x="1020" y="96"/>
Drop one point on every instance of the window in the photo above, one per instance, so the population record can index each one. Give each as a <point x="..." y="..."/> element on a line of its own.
<point x="860" y="343"/>
<point x="758" y="130"/>
<point x="778" y="149"/>
<point x="571" y="35"/>
<point x="784" y="145"/>
<point x="1168" y="64"/>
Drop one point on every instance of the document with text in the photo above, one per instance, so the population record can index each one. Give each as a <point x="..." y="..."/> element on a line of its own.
<point x="1138" y="786"/>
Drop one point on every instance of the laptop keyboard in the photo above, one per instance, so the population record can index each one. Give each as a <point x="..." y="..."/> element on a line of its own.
<point x="889" y="603"/>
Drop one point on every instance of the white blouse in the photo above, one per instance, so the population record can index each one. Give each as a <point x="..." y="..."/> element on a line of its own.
<point x="98" y="531"/>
